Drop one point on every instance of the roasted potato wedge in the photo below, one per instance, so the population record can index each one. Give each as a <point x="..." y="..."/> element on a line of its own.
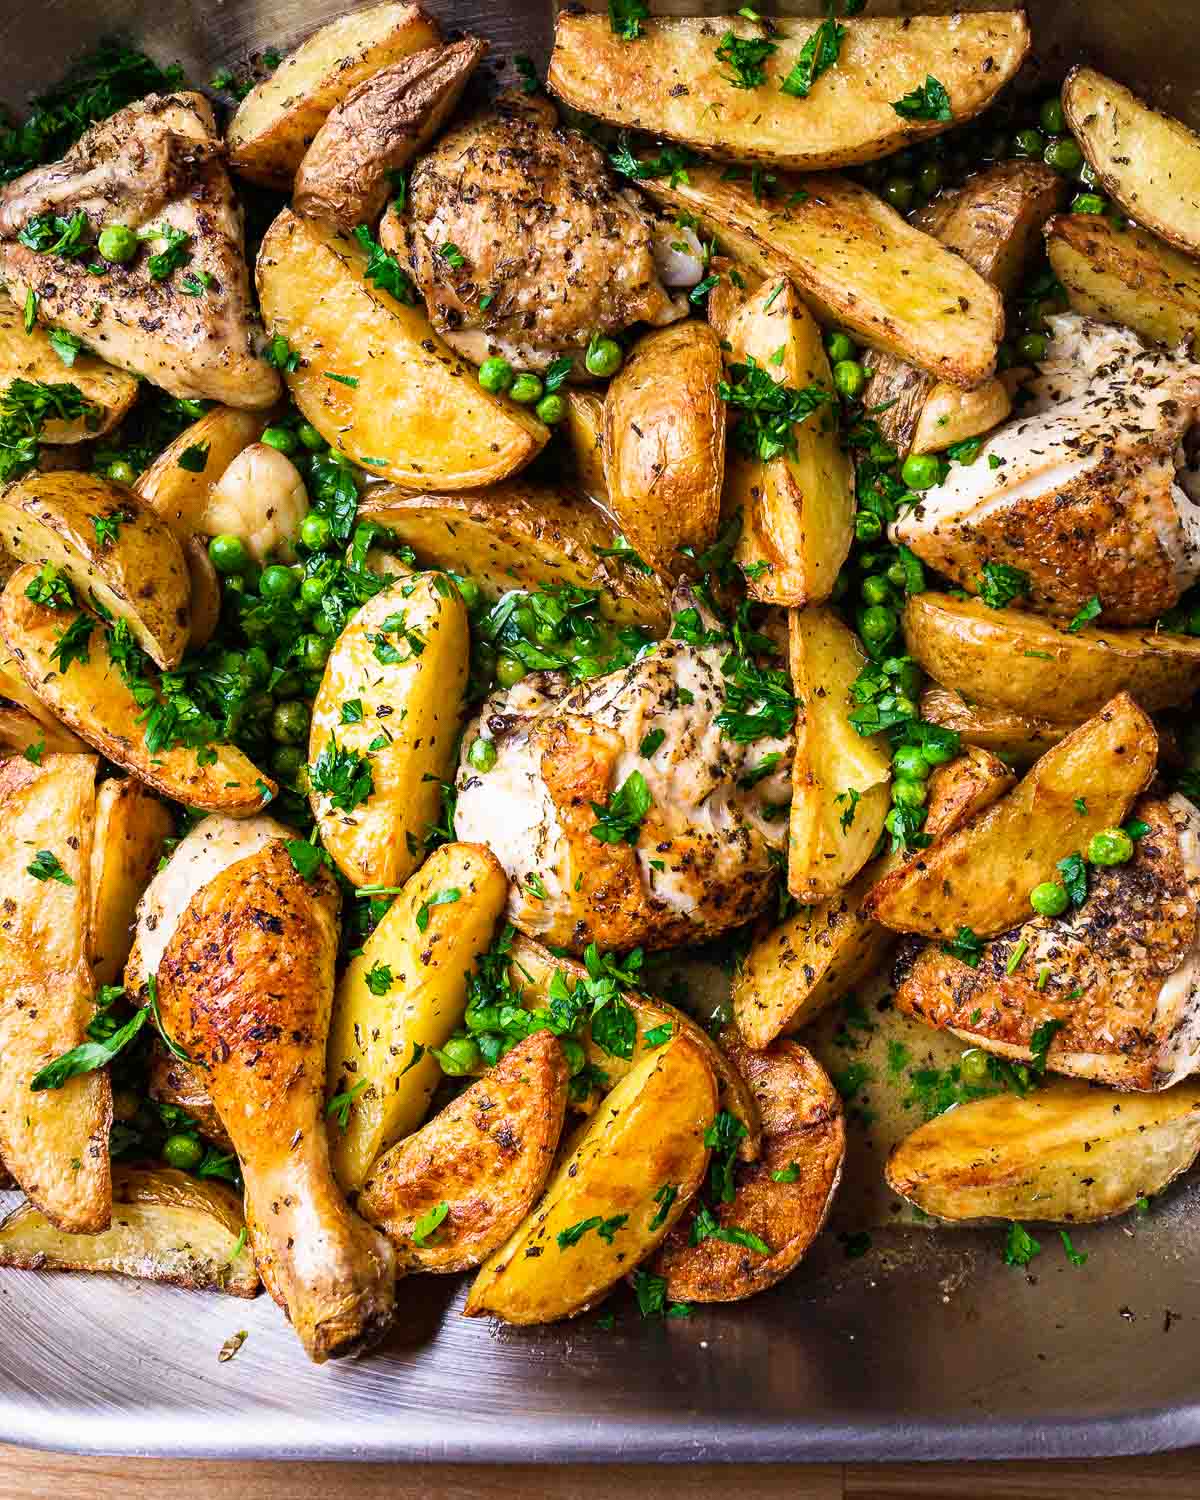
<point x="428" y="942"/>
<point x="166" y="1226"/>
<point x="1067" y="1153"/>
<point x="1003" y="731"/>
<point x="132" y="826"/>
<point x="1125" y="276"/>
<point x="674" y="82"/>
<point x="205" y="587"/>
<point x="797" y="510"/>
<point x="734" y="286"/>
<point x="54" y="1141"/>
<point x="404" y="660"/>
<point x="664" y="443"/>
<point x="1148" y="162"/>
<point x="278" y="119"/>
<point x="92" y="699"/>
<point x="374" y="378"/>
<point x="840" y="781"/>
<point x="840" y="246"/>
<point x="17" y="692"/>
<point x="649" y="1133"/>
<point x="584" y="432"/>
<point x="486" y="1157"/>
<point x="803" y="1128"/>
<point x="31" y="356"/>
<point x="138" y="573"/>
<point x="517" y="535"/>
<point x="1100" y="767"/>
<point x="179" y="495"/>
<point x="1011" y="658"/>
<point x="19" y="730"/>
<point x="391" y="116"/>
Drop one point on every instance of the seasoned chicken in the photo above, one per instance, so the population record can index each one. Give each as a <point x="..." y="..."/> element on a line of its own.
<point x="702" y="859"/>
<point x="246" y="987"/>
<point x="542" y="234"/>
<point x="1121" y="973"/>
<point x="155" y="164"/>
<point x="1091" y="491"/>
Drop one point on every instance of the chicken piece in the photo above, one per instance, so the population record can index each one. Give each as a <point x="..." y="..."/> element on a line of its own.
<point x="246" y="987"/>
<point x="1120" y="974"/>
<point x="702" y="859"/>
<point x="1091" y="491"/>
<point x="156" y="163"/>
<point x="542" y="230"/>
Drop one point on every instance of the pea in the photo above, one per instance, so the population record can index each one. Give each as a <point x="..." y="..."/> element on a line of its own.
<point x="909" y="761"/>
<point x="897" y="574"/>
<point x="907" y="676"/>
<point x="288" y="685"/>
<point x="867" y="527"/>
<point x="509" y="671"/>
<point x="496" y="375"/>
<point x="929" y="178"/>
<point x="1029" y="143"/>
<point x="907" y="792"/>
<point x="551" y="409"/>
<point x="1051" y="116"/>
<point x="289" y="722"/>
<point x="1088" y="203"/>
<point x="1063" y="155"/>
<point x="482" y="754"/>
<point x="849" y="377"/>
<point x="525" y="621"/>
<point x="315" y="531"/>
<point x="546" y="633"/>
<point x="278" y="582"/>
<point x="876" y="590"/>
<point x="252" y="576"/>
<point x="117" y="244"/>
<point x="526" y="389"/>
<point x="312" y="684"/>
<point x="459" y="1056"/>
<point x="258" y="665"/>
<point x="121" y="472"/>
<point x="1032" y="346"/>
<point x="878" y="624"/>
<point x="839" y="346"/>
<point x="1049" y="899"/>
<point x="313" y="653"/>
<point x="604" y="357"/>
<point x="287" y="761"/>
<point x="920" y="471"/>
<point x="898" y="191"/>
<point x="1111" y="846"/>
<point x="183" y="1151"/>
<point x="310" y="437"/>
<point x="973" y="1066"/>
<point x="228" y="554"/>
<point x="282" y="438"/>
<point x="312" y="591"/>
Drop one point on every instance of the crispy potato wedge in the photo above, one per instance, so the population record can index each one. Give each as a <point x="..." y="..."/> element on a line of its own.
<point x="1101" y="766"/>
<point x="486" y="1157"/>
<point x="1003" y="731"/>
<point x="650" y="1132"/>
<point x="139" y="576"/>
<point x="517" y="535"/>
<point x="404" y="658"/>
<point x="674" y="83"/>
<point x="1148" y="162"/>
<point x="17" y="691"/>
<point x="54" y="1141"/>
<point x="31" y="356"/>
<point x="132" y="826"/>
<point x="374" y="378"/>
<point x="1011" y="658"/>
<point x="93" y="700"/>
<point x="173" y="1081"/>
<point x="19" y="730"/>
<point x="734" y="286"/>
<point x="391" y="116"/>
<point x="1067" y="1153"/>
<point x="584" y="432"/>
<point x="664" y="443"/>
<point x="798" y="969"/>
<point x="927" y="415"/>
<point x="1125" y="276"/>
<point x="278" y="119"/>
<point x="797" y="511"/>
<point x="840" y="781"/>
<point x="179" y="495"/>
<point x="803" y="1127"/>
<point x="840" y="246"/>
<point x="429" y="943"/>
<point x="166" y="1226"/>
<point x="205" y="587"/>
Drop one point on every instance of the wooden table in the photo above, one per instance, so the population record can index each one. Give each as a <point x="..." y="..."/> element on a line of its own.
<point x="26" y="1475"/>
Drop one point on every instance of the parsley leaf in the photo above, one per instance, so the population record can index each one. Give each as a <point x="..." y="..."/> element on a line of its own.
<point x="1074" y="878"/>
<point x="306" y="858"/>
<point x="722" y="1138"/>
<point x="384" y="270"/>
<point x="746" y="56"/>
<point x="1019" y="1247"/>
<point x="67" y="346"/>
<point x="657" y="1035"/>
<point x="445" y="897"/>
<point x="194" y="458"/>
<point x="665" y="1198"/>
<point x="339" y="1106"/>
<point x="72" y="643"/>
<point x="88" y="1056"/>
<point x="281" y="355"/>
<point x="51" y="588"/>
<point x="379" y="978"/>
<point x="817" y="56"/>
<point x="1039" y="1043"/>
<point x="650" y="743"/>
<point x="769" y="411"/>
<point x="626" y="17"/>
<point x="341" y="775"/>
<point x="705" y="1226"/>
<point x="428" y="1224"/>
<point x="966" y="947"/>
<point x="605" y="1228"/>
<point x="999" y="584"/>
<point x="929" y="102"/>
<point x="1076" y="1257"/>
<point x="1089" y="611"/>
<point x="621" y="817"/>
<point x="46" y="866"/>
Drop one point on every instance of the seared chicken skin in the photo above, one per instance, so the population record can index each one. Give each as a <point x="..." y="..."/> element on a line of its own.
<point x="155" y="163"/>
<point x="246" y="987"/>
<point x="1121" y="974"/>
<point x="1091" y="491"/>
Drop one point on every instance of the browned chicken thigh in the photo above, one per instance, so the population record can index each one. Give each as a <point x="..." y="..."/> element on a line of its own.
<point x="245" y="987"/>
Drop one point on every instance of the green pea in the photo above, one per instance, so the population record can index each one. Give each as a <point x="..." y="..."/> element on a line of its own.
<point x="482" y="754"/>
<point x="878" y="624"/>
<point x="526" y="389"/>
<point x="459" y="1056"/>
<point x="496" y="375"/>
<point x="525" y="621"/>
<point x="604" y="357"/>
<point x="839" y="346"/>
<point x="288" y="685"/>
<point x="907" y="676"/>
<point x="287" y="760"/>
<point x="310" y="437"/>
<point x="938" y="755"/>
<point x="973" y="1066"/>
<point x="898" y="191"/>
<point x="117" y="244"/>
<point x="867" y="527"/>
<point x="1032" y="346"/>
<point x="1063" y="155"/>
<point x="281" y="438"/>
<point x="907" y="792"/>
<point x="897" y="574"/>
<point x="258" y="665"/>
<point x="325" y="626"/>
<point x="1029" y="143"/>
<point x="1049" y="899"/>
<point x="184" y="1152"/>
<point x="228" y="553"/>
<point x="121" y="472"/>
<point x="312" y="684"/>
<point x="278" y="582"/>
<point x="315" y="531"/>
<point x="313" y="653"/>
<point x="551" y="409"/>
<point x="312" y="591"/>
<point x="1088" y="203"/>
<point x="289" y="722"/>
<point x="509" y="671"/>
<point x="920" y="471"/>
<point x="1111" y="846"/>
<point x="849" y="378"/>
<point x="929" y="178"/>
<point x="1051" y="116"/>
<point x="876" y="590"/>
<point x="910" y="761"/>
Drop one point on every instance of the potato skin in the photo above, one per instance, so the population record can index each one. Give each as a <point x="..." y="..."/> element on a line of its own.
<point x="180" y="495"/>
<point x="132" y="826"/>
<point x="31" y="356"/>
<point x="1001" y="730"/>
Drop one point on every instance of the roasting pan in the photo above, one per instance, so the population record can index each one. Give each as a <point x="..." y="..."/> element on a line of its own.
<point x="927" y="1347"/>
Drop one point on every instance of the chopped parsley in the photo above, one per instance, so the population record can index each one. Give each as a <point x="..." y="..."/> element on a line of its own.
<point x="851" y="798"/>
<point x="626" y="17"/>
<point x="72" y="644"/>
<point x="1089" y="611"/>
<point x="665" y="1198"/>
<point x="605" y="1228"/>
<point x="929" y="102"/>
<point x="705" y="1226"/>
<point x="1074" y="878"/>
<point x="619" y="820"/>
<point x="51" y="588"/>
<point x="768" y="411"/>
<point x="746" y="56"/>
<point x="1076" y="1257"/>
<point x="88" y="1056"/>
<point x="999" y="584"/>
<point x="656" y="1036"/>
<point x="194" y="458"/>
<point x="446" y="897"/>
<point x="453" y="256"/>
<point x="281" y="355"/>
<point x="790" y="1173"/>
<point x="966" y="947"/>
<point x="428" y="1224"/>
<point x="671" y="162"/>
<point x="25" y="408"/>
<point x="1039" y="1043"/>
<point x="379" y="978"/>
<point x="384" y="270"/>
<point x="340" y="1105"/>
<point x="49" y="234"/>
<point x="650" y="743"/>
<point x="341" y="775"/>
<point x="46" y="866"/>
<point x="651" y="1293"/>
<point x="1020" y="1247"/>
<point x="67" y="346"/>
<point x="723" y="1138"/>
<point x="107" y="528"/>
<point x="817" y="56"/>
<point x="306" y="858"/>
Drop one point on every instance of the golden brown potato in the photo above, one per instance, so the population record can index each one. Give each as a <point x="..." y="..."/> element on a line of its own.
<point x="675" y="83"/>
<point x="734" y="286"/>
<point x="94" y="700"/>
<point x="840" y="245"/>
<point x="664" y="443"/>
<point x="1148" y="162"/>
<point x="797" y="510"/>
<point x="31" y="356"/>
<point x="484" y="1160"/>
<point x="132" y="826"/>
<point x="205" y="586"/>
<point x="17" y="692"/>
<point x="179" y="495"/>
<point x="1011" y="658"/>
<point x="1021" y="739"/>
<point x="649" y="1135"/>
<point x="583" y="428"/>
<point x="803" y="1132"/>
<point x="1066" y="1153"/>
<point x="1100" y="767"/>
<point x="1125" y="276"/>
<point x="278" y="119"/>
<point x="517" y="535"/>
<point x="374" y="378"/>
<point x="19" y="730"/>
<point x="137" y="572"/>
<point x="54" y="1141"/>
<point x="346" y="175"/>
<point x="167" y="1226"/>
